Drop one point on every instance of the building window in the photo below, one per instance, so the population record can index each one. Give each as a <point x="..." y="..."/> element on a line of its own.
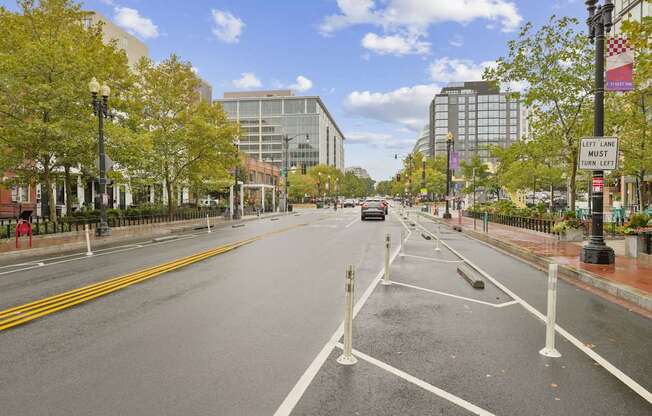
<point x="249" y="108"/>
<point x="271" y="107"/>
<point x="441" y="99"/>
<point x="296" y="106"/>
<point x="311" y="106"/>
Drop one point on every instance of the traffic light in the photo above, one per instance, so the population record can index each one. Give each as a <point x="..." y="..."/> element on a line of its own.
<point x="398" y="177"/>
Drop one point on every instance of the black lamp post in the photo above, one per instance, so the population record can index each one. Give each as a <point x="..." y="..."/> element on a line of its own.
<point x="423" y="174"/>
<point x="101" y="110"/>
<point x="599" y="23"/>
<point x="449" y="142"/>
<point x="286" y="142"/>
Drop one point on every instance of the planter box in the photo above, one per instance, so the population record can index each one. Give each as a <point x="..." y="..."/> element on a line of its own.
<point x="634" y="245"/>
<point x="572" y="235"/>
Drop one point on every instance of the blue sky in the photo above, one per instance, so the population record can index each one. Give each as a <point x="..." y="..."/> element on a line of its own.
<point x="375" y="63"/>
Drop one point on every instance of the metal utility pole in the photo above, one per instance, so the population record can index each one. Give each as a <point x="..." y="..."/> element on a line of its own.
<point x="286" y="143"/>
<point x="474" y="207"/>
<point x="449" y="142"/>
<point x="599" y="22"/>
<point x="423" y="173"/>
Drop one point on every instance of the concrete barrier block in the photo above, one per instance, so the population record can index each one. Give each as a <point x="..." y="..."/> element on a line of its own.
<point x="470" y="275"/>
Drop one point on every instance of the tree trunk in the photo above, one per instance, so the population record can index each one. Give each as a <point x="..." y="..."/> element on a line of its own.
<point x="573" y="184"/>
<point x="68" y="188"/>
<point x="52" y="206"/>
<point x="640" y="180"/>
<point x="168" y="187"/>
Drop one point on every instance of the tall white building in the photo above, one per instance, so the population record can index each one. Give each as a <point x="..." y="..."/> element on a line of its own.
<point x="265" y="117"/>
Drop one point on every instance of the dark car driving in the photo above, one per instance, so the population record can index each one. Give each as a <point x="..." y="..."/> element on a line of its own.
<point x="372" y="209"/>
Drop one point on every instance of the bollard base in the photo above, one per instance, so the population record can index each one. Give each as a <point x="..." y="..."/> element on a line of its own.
<point x="89" y="253"/>
<point x="344" y="360"/>
<point x="385" y="282"/>
<point x="550" y="352"/>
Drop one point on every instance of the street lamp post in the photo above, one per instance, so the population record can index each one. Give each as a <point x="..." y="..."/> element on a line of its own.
<point x="286" y="142"/>
<point x="101" y="110"/>
<point x="474" y="198"/>
<point x="449" y="142"/>
<point x="423" y="173"/>
<point x="599" y="22"/>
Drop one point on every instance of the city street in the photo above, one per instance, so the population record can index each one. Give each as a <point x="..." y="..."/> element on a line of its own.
<point x="244" y="332"/>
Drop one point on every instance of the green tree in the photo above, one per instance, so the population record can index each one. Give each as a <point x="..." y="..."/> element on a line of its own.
<point x="47" y="58"/>
<point x="630" y="113"/>
<point x="555" y="64"/>
<point x="327" y="179"/>
<point x="301" y="185"/>
<point x="185" y="140"/>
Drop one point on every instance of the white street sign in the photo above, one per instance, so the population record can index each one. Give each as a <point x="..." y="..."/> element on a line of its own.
<point x="108" y="163"/>
<point x="598" y="153"/>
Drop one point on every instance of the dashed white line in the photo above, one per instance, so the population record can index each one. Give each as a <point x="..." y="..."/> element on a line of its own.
<point x="493" y="305"/>
<point x="432" y="259"/>
<point x="424" y="385"/>
<point x="306" y="378"/>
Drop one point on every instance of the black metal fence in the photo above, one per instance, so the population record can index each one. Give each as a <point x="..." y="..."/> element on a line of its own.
<point x="41" y="226"/>
<point x="541" y="225"/>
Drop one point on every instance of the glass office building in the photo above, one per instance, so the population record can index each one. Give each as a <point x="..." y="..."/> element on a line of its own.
<point x="266" y="116"/>
<point x="422" y="144"/>
<point x="479" y="116"/>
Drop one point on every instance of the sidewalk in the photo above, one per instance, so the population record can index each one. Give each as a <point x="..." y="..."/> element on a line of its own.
<point x="76" y="240"/>
<point x="629" y="279"/>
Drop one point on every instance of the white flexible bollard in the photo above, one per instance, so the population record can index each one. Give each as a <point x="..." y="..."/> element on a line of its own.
<point x="388" y="244"/>
<point x="347" y="357"/>
<point x="208" y="224"/>
<point x="437" y="237"/>
<point x="549" y="350"/>
<point x="88" y="241"/>
<point x="400" y="248"/>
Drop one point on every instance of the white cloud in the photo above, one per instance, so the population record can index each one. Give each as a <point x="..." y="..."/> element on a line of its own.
<point x="416" y="15"/>
<point x="247" y="81"/>
<point x="228" y="28"/>
<point x="134" y="23"/>
<point x="457" y="70"/>
<point x="195" y="70"/>
<point x="457" y="41"/>
<point x="395" y="44"/>
<point x="378" y="140"/>
<point x="407" y="106"/>
<point x="302" y="84"/>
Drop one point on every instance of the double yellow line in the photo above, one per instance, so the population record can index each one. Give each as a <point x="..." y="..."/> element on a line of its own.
<point x="24" y="313"/>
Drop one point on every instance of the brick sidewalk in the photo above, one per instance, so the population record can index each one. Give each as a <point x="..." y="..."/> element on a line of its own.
<point x="626" y="271"/>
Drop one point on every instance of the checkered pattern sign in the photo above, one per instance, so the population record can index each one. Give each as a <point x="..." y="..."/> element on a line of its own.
<point x="617" y="46"/>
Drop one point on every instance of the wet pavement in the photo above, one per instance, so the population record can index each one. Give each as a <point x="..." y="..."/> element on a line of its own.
<point x="627" y="271"/>
<point x="477" y="351"/>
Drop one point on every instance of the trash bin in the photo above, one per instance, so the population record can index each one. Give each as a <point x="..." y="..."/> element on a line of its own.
<point x="289" y="207"/>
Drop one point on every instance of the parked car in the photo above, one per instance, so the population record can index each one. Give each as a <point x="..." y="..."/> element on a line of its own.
<point x="348" y="203"/>
<point x="372" y="209"/>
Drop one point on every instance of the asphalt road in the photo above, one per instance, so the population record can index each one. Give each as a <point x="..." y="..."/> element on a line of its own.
<point x="229" y="335"/>
<point x="235" y="334"/>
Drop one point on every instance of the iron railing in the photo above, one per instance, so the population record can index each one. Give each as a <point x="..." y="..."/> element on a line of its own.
<point x="41" y="226"/>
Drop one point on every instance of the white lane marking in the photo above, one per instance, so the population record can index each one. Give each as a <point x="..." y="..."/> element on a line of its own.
<point x="322" y="226"/>
<point x="29" y="263"/>
<point x="306" y="378"/>
<point x="493" y="305"/>
<point x="424" y="385"/>
<point x="624" y="378"/>
<point x="352" y="222"/>
<point x="82" y="256"/>
<point x="432" y="259"/>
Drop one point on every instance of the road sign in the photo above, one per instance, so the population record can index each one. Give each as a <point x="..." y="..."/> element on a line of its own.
<point x="424" y="191"/>
<point x="598" y="184"/>
<point x="108" y="163"/>
<point x="598" y="153"/>
<point x="455" y="160"/>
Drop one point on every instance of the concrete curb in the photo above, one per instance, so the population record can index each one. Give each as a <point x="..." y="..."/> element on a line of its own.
<point x="620" y="291"/>
<point x="131" y="234"/>
<point x="470" y="275"/>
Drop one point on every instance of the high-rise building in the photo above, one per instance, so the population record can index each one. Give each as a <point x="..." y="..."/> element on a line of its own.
<point x="478" y="116"/>
<point x="629" y="10"/>
<point x="358" y="171"/>
<point x="205" y="91"/>
<point x="265" y="117"/>
<point x="134" y="48"/>
<point x="422" y="144"/>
